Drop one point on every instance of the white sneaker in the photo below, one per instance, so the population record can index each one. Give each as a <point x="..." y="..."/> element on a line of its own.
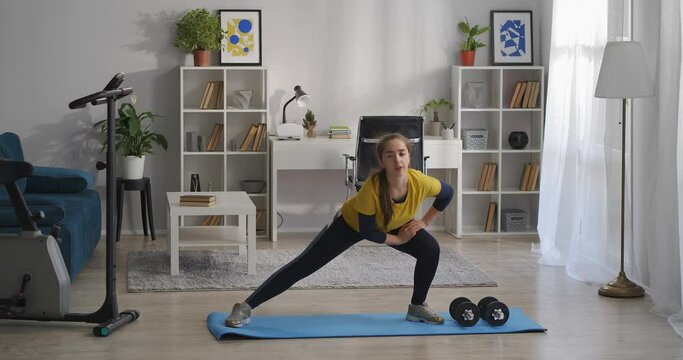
<point x="241" y="315"/>
<point x="422" y="313"/>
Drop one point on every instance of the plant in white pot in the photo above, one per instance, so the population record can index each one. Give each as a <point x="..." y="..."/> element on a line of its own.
<point x="133" y="138"/>
<point x="198" y="33"/>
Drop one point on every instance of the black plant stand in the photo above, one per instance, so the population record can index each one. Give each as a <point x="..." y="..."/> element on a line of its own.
<point x="145" y="187"/>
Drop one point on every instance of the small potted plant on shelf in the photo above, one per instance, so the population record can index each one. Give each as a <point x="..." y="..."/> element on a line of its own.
<point x="433" y="106"/>
<point x="309" y="123"/>
<point x="198" y="33"/>
<point x="470" y="45"/>
<point x="133" y="138"/>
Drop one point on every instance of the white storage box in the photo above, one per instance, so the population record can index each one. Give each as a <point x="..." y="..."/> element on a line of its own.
<point x="514" y="220"/>
<point x="475" y="139"/>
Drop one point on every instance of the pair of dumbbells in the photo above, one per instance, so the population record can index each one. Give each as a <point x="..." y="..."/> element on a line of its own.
<point x="489" y="309"/>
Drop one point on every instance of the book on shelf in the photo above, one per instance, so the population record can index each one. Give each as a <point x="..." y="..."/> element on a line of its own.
<point x="533" y="178"/>
<point x="515" y="94"/>
<point x="215" y="138"/>
<point x="491" y="178"/>
<point x="339" y="132"/>
<point x="213" y="96"/>
<point x="520" y="96"/>
<point x="525" y="177"/>
<point x="525" y="94"/>
<point x="529" y="177"/>
<point x="249" y="138"/>
<point x="211" y="220"/>
<point x="205" y="98"/>
<point x="482" y="176"/>
<point x="259" y="137"/>
<point x="490" y="217"/>
<point x="217" y="97"/>
<point x="487" y="177"/>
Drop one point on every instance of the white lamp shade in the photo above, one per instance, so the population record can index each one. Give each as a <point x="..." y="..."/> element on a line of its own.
<point x="624" y="73"/>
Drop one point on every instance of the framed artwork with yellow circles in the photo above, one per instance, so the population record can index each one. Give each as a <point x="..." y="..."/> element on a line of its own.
<point x="241" y="43"/>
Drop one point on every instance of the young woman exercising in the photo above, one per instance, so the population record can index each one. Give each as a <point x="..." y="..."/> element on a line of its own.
<point x="382" y="211"/>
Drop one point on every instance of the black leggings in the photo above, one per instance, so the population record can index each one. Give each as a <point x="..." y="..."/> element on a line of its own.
<point x="334" y="241"/>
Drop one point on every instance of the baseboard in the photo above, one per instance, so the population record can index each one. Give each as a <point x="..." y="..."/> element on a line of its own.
<point x="315" y="230"/>
<point x="138" y="232"/>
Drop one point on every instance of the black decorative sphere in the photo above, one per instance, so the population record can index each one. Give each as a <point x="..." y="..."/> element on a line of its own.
<point x="518" y="140"/>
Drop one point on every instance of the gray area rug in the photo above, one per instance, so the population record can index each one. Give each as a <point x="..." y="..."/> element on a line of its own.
<point x="359" y="267"/>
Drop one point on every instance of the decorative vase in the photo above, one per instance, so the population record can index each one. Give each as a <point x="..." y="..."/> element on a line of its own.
<point x="518" y="140"/>
<point x="133" y="167"/>
<point x="311" y="132"/>
<point x="433" y="128"/>
<point x="201" y="57"/>
<point x="476" y="94"/>
<point x="467" y="57"/>
<point x="243" y="98"/>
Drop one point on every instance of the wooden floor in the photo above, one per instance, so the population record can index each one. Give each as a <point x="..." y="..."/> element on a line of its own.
<point x="581" y="324"/>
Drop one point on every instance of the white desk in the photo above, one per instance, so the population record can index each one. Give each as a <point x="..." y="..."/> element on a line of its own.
<point x="227" y="203"/>
<point x="322" y="153"/>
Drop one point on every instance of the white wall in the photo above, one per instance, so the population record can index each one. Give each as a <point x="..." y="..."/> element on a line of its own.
<point x="354" y="58"/>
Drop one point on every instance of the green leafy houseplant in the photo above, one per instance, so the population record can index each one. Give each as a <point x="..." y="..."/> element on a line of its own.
<point x="133" y="136"/>
<point x="198" y="30"/>
<point x="434" y="106"/>
<point x="471" y="43"/>
<point x="309" y="120"/>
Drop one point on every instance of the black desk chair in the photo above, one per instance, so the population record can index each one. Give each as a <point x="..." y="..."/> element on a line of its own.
<point x="145" y="187"/>
<point x="370" y="131"/>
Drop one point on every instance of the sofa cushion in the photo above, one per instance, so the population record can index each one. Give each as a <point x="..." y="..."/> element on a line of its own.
<point x="52" y="208"/>
<point x="81" y="227"/>
<point x="58" y="180"/>
<point x="10" y="148"/>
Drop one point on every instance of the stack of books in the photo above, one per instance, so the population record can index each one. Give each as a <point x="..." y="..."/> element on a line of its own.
<point x="213" y="96"/>
<point x="529" y="177"/>
<point x="215" y="138"/>
<point x="525" y="94"/>
<point x="487" y="178"/>
<point x="212" y="220"/>
<point x="253" y="140"/>
<point x="340" y="132"/>
<point x="198" y="200"/>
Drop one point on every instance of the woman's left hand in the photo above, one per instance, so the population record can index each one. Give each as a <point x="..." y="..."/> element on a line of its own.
<point x="414" y="226"/>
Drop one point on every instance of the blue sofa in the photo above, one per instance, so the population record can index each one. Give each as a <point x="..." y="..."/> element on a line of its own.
<point x="66" y="198"/>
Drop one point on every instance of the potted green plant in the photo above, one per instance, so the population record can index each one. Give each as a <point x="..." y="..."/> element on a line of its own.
<point x="309" y="123"/>
<point x="133" y="138"/>
<point x="198" y="33"/>
<point x="470" y="45"/>
<point x="433" y="106"/>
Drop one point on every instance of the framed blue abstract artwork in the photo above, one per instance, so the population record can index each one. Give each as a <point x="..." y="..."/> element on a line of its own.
<point x="241" y="42"/>
<point x="511" y="37"/>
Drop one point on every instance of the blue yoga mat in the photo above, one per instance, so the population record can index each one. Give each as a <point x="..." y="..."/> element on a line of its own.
<point x="358" y="325"/>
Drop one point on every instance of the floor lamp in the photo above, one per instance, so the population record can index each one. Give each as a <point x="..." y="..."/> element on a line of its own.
<point x="623" y="75"/>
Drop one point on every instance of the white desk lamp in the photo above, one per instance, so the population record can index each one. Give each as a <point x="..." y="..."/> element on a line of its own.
<point x="293" y="131"/>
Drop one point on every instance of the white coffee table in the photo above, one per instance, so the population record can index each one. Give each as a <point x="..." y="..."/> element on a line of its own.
<point x="227" y="203"/>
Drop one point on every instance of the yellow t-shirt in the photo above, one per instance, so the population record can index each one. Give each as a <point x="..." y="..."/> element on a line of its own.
<point x="366" y="201"/>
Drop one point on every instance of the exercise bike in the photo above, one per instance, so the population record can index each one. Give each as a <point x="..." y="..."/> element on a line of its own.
<point x="34" y="281"/>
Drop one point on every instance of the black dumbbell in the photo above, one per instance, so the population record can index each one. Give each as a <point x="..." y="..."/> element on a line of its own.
<point x="493" y="311"/>
<point x="464" y="311"/>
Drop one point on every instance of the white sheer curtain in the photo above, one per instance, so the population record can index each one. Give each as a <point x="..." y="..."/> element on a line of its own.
<point x="658" y="163"/>
<point x="575" y="222"/>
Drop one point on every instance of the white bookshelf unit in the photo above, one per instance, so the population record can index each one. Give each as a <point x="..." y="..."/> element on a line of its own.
<point x="224" y="167"/>
<point x="493" y="113"/>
